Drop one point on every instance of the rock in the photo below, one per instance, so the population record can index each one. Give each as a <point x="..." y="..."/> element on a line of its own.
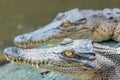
<point x="13" y="71"/>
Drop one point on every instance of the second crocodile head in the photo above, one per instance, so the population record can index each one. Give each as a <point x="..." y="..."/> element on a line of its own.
<point x="61" y="26"/>
<point x="74" y="24"/>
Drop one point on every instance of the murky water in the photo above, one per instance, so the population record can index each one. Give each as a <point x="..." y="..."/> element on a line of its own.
<point x="21" y="16"/>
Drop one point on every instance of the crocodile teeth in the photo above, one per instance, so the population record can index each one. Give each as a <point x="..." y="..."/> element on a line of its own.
<point x="19" y="59"/>
<point x="32" y="64"/>
<point x="7" y="59"/>
<point x="37" y="66"/>
<point x="12" y="61"/>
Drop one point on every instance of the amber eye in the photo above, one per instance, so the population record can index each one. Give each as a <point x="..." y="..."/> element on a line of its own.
<point x="66" y="24"/>
<point x="68" y="53"/>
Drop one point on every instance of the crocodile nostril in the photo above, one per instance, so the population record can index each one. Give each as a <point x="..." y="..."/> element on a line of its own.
<point x="22" y="37"/>
<point x="108" y="13"/>
<point x="110" y="17"/>
<point x="14" y="50"/>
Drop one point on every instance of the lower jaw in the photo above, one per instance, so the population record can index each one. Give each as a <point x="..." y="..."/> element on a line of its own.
<point x="39" y="43"/>
<point x="49" y="43"/>
<point x="35" y="65"/>
<point x="40" y="64"/>
<point x="65" y="70"/>
<point x="25" y="45"/>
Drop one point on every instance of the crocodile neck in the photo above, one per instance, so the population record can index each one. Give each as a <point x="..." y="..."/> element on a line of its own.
<point x="107" y="71"/>
<point x="103" y="50"/>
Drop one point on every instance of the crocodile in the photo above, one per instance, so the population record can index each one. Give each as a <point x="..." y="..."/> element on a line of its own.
<point x="97" y="25"/>
<point x="80" y="59"/>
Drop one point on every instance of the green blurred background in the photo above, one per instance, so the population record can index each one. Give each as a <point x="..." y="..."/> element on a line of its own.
<point x="22" y="16"/>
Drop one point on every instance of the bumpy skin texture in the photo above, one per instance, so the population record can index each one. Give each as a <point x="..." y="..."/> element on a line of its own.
<point x="81" y="59"/>
<point x="98" y="25"/>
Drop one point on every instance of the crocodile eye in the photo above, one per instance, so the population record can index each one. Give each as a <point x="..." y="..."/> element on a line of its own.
<point x="68" y="53"/>
<point x="66" y="24"/>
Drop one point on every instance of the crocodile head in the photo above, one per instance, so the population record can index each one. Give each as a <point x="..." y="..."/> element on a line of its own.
<point x="64" y="25"/>
<point x="97" y="25"/>
<point x="71" y="58"/>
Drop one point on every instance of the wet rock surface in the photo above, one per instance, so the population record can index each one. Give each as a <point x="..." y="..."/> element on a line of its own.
<point x="13" y="71"/>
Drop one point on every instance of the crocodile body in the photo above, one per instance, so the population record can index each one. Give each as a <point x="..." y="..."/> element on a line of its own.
<point x="97" y="25"/>
<point x="80" y="59"/>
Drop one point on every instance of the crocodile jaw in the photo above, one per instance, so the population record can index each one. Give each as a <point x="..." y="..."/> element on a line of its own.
<point x="55" y="64"/>
<point x="51" y="62"/>
<point x="54" y="30"/>
<point x="38" y="36"/>
<point x="29" y="57"/>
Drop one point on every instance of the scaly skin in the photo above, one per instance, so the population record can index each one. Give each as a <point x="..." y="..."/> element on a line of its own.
<point x="80" y="59"/>
<point x="98" y="25"/>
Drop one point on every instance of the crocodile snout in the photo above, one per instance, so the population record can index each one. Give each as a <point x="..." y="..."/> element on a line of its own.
<point x="22" y="38"/>
<point x="12" y="52"/>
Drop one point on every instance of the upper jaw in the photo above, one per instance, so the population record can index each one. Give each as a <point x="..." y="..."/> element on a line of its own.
<point x="17" y="55"/>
